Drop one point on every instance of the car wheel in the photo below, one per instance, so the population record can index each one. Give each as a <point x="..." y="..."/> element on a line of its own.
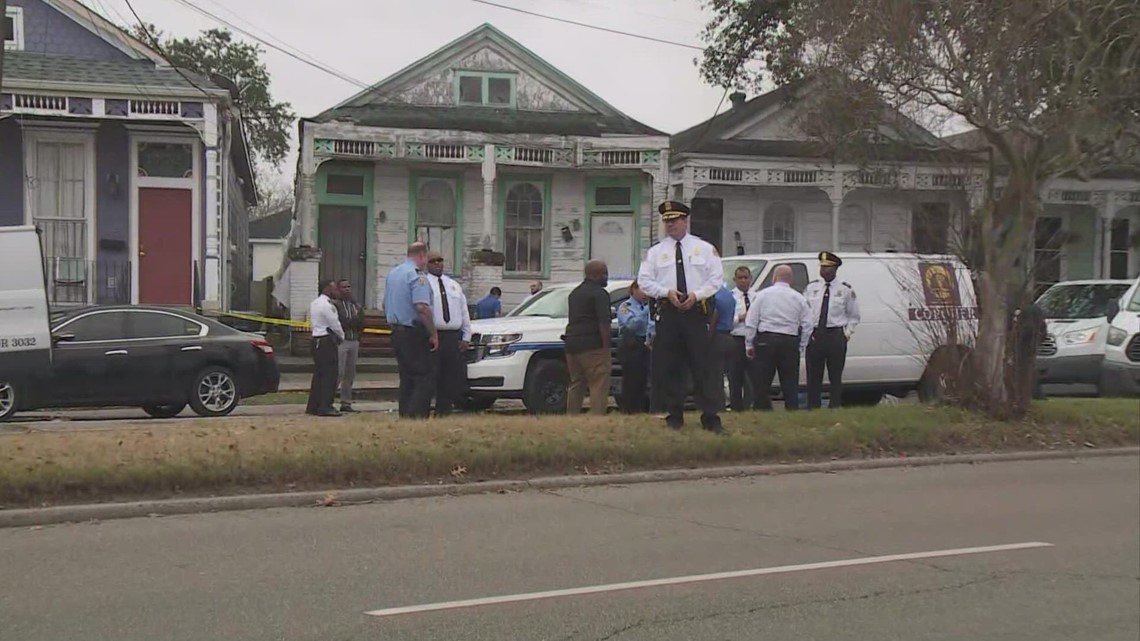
<point x="164" y="411"/>
<point x="8" y="401"/>
<point x="861" y="398"/>
<point x="545" y="391"/>
<point x="215" y="392"/>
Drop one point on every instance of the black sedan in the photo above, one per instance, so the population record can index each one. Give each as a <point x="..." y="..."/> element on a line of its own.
<point x="150" y="357"/>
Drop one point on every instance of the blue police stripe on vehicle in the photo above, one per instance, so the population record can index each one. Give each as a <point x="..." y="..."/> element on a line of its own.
<point x="527" y="347"/>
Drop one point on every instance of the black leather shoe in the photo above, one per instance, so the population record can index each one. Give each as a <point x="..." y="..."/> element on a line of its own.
<point x="329" y="413"/>
<point x="347" y="409"/>
<point x="675" y="424"/>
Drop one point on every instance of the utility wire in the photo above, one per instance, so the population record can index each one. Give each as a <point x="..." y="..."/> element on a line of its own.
<point x="316" y="65"/>
<point x="158" y="47"/>
<point x="590" y="26"/>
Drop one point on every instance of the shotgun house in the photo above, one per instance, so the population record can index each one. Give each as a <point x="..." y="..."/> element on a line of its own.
<point x="137" y="173"/>
<point x="479" y="149"/>
<point x="757" y="183"/>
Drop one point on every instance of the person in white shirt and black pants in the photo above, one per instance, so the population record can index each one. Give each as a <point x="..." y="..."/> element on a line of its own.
<point x="683" y="273"/>
<point x="778" y="327"/>
<point x="835" y="313"/>
<point x="453" y="322"/>
<point x="737" y="364"/>
<point x="327" y="335"/>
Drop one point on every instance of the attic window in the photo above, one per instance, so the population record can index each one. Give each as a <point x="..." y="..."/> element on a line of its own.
<point x="14" y="28"/>
<point x="485" y="89"/>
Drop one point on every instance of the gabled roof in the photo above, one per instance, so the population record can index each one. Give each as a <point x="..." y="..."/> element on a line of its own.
<point x="129" y="74"/>
<point x="371" y="107"/>
<point x="715" y="135"/>
<point x="108" y="31"/>
<point x="273" y="226"/>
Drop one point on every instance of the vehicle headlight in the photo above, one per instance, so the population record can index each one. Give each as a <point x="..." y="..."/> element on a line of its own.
<point x="1079" y="337"/>
<point x="499" y="344"/>
<point x="1116" y="336"/>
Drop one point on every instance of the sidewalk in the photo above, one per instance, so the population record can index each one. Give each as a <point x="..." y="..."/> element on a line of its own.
<point x="299" y="382"/>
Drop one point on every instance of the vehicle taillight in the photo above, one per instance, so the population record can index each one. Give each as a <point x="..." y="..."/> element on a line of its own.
<point x="265" y="347"/>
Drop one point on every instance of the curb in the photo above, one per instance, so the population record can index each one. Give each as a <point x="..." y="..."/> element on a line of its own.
<point x="111" y="511"/>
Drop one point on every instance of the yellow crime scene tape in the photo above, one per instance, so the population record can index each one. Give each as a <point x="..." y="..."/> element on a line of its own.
<point x="290" y="323"/>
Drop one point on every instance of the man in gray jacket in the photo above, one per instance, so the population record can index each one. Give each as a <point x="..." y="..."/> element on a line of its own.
<point x="352" y="321"/>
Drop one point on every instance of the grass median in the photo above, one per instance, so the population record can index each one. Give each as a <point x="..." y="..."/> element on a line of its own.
<point x="235" y="455"/>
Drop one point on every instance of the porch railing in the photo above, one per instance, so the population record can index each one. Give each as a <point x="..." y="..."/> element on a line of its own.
<point x="77" y="281"/>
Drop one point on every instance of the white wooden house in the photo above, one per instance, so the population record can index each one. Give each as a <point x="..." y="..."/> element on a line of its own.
<point x="481" y="145"/>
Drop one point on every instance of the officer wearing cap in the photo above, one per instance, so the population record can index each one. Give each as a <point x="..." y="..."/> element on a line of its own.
<point x="835" y="312"/>
<point x="683" y="273"/>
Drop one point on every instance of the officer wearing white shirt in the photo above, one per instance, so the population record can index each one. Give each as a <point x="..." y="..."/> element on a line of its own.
<point x="683" y="273"/>
<point x="778" y="327"/>
<point x="453" y="321"/>
<point x="737" y="363"/>
<point x="835" y="313"/>
<point x="327" y="334"/>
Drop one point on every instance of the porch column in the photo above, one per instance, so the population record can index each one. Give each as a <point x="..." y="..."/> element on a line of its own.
<point x="1106" y="209"/>
<point x="489" y="170"/>
<point x="836" y="193"/>
<point x="214" y="212"/>
<point x="306" y="184"/>
<point x="660" y="177"/>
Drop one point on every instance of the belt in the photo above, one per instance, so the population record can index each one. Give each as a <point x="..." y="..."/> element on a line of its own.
<point x="700" y="305"/>
<point x="828" y="329"/>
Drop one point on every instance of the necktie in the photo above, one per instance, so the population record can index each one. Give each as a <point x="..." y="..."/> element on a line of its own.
<point x="682" y="286"/>
<point x="443" y="301"/>
<point x="823" y="306"/>
<point x="747" y="301"/>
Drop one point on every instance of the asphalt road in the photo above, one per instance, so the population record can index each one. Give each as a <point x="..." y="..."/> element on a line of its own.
<point x="314" y="573"/>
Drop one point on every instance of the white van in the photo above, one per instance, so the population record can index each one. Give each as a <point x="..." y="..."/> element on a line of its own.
<point x="25" y="335"/>
<point x="1122" y="351"/>
<point x="1072" y="351"/>
<point x="913" y="308"/>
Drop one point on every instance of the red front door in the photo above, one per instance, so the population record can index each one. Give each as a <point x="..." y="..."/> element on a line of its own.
<point x="165" y="246"/>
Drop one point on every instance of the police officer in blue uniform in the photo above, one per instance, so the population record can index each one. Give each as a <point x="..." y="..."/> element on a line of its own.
<point x="407" y="306"/>
<point x="720" y="330"/>
<point x="634" y="324"/>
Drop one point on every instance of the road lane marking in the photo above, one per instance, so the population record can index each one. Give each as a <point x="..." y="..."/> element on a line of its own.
<point x="701" y="578"/>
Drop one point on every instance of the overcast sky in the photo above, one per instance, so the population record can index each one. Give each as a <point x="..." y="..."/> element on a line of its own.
<point x="368" y="40"/>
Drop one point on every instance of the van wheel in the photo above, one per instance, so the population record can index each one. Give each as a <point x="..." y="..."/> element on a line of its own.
<point x="214" y="393"/>
<point x="861" y="398"/>
<point x="546" y="385"/>
<point x="9" y="401"/>
<point x="164" y="411"/>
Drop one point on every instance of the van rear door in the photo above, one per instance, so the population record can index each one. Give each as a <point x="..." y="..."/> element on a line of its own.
<point x="25" y="336"/>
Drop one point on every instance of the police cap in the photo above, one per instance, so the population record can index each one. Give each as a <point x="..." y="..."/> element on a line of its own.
<point x="671" y="209"/>
<point x="828" y="259"/>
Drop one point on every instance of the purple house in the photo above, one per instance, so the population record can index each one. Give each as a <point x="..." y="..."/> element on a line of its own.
<point x="138" y="173"/>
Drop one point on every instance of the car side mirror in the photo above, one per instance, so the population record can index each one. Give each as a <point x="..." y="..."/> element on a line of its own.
<point x="1112" y="309"/>
<point x="62" y="338"/>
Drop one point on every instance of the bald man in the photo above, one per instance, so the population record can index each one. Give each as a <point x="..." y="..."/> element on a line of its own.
<point x="777" y="329"/>
<point x="587" y="339"/>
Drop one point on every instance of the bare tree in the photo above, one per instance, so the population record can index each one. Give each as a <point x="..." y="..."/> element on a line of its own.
<point x="1049" y="85"/>
<point x="276" y="193"/>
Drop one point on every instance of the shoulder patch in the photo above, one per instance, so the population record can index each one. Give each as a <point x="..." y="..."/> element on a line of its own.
<point x="421" y="280"/>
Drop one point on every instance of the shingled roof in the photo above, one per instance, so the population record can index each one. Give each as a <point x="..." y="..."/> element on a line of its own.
<point x="482" y="119"/>
<point x="137" y="74"/>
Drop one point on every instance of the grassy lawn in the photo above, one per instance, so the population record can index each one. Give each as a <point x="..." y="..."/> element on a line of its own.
<point x="237" y="455"/>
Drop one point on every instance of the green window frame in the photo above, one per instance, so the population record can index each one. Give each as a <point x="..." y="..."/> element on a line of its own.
<point x="485" y="78"/>
<point x="633" y="209"/>
<point x="543" y="186"/>
<point x="456" y="179"/>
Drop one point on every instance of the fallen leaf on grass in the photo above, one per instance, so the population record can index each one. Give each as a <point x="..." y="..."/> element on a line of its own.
<point x="330" y="500"/>
<point x="458" y="471"/>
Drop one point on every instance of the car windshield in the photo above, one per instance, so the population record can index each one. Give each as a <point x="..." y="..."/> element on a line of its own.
<point x="731" y="264"/>
<point x="552" y="303"/>
<point x="1079" y="301"/>
<point x="1134" y="304"/>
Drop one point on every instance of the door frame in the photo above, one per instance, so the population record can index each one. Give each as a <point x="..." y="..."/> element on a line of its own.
<point x="367" y="291"/>
<point x="140" y="182"/>
<point x="633" y="211"/>
<point x="32" y="136"/>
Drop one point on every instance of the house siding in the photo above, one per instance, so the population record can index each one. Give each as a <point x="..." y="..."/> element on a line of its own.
<point x="46" y="30"/>
<point x="390" y="195"/>
<point x="11" y="173"/>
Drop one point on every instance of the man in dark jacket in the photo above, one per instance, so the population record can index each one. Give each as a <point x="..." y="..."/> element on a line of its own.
<point x="352" y="321"/>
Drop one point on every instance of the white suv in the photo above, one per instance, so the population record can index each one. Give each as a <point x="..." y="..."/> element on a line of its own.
<point x="1077" y="328"/>
<point x="1122" y="353"/>
<point x="522" y="356"/>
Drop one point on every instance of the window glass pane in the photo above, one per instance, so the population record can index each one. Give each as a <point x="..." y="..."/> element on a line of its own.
<point x="779" y="229"/>
<point x="435" y="202"/>
<point x="471" y="89"/>
<point x="799" y="276"/>
<point x="613" y="197"/>
<point x="499" y="91"/>
<point x="854" y="229"/>
<point x="166" y="160"/>
<point x="9" y="28"/>
<point x="930" y="228"/>
<point x="524" y="228"/>
<point x="1118" y="265"/>
<point x="1119" y="240"/>
<point x="153" y="325"/>
<point x="97" y="327"/>
<point x="345" y="184"/>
